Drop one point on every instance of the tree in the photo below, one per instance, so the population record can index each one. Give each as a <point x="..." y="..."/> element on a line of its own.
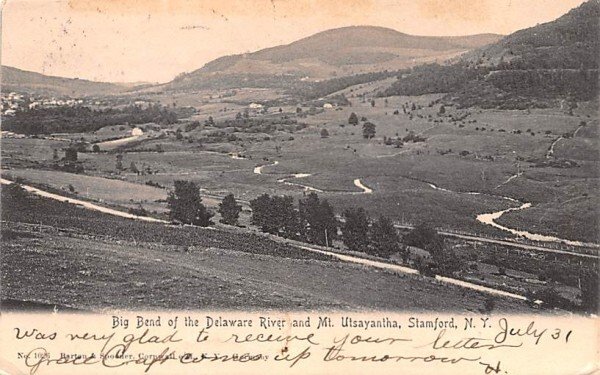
<point x="442" y="110"/>
<point x="210" y="121"/>
<point x="318" y="223"/>
<point x="324" y="133"/>
<point x="55" y="154"/>
<point x="119" y="163"/>
<point x="385" y="240"/>
<point x="589" y="291"/>
<point x="353" y="119"/>
<point x="285" y="216"/>
<point x="185" y="204"/>
<point x="368" y="130"/>
<point x="423" y="236"/>
<point x="355" y="230"/>
<point x="372" y="102"/>
<point x="16" y="196"/>
<point x="445" y="261"/>
<point x="261" y="213"/>
<point x="133" y="168"/>
<point x="275" y="215"/>
<point x="96" y="148"/>
<point x="229" y="210"/>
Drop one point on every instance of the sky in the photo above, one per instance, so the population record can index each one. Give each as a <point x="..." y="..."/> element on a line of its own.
<point x="154" y="40"/>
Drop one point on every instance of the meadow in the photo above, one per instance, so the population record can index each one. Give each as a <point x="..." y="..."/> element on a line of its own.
<point x="502" y="153"/>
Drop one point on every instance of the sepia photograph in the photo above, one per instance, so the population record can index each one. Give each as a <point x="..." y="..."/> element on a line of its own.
<point x="420" y="156"/>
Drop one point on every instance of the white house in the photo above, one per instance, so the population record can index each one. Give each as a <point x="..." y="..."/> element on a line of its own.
<point x="136" y="131"/>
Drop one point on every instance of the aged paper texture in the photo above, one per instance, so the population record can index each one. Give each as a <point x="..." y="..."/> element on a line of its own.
<point x="303" y="187"/>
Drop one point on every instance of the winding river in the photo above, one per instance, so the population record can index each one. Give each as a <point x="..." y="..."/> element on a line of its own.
<point x="300" y="175"/>
<point x="489" y="219"/>
<point x="357" y="182"/>
<point x="484" y="218"/>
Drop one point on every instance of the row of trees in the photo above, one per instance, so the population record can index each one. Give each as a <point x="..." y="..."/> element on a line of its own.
<point x="313" y="220"/>
<point x="185" y="206"/>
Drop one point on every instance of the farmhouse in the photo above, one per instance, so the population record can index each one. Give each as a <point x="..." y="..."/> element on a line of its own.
<point x="136" y="131"/>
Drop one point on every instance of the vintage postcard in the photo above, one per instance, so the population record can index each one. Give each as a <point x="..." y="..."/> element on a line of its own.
<point x="299" y="187"/>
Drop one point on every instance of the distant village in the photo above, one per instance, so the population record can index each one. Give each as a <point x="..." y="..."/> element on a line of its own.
<point x="11" y="103"/>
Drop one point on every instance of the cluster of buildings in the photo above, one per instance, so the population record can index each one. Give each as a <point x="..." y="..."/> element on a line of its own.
<point x="11" y="103"/>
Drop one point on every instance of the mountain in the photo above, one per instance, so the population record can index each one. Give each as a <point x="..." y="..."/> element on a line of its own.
<point x="569" y="42"/>
<point x="14" y="79"/>
<point x="551" y="61"/>
<point x="332" y="53"/>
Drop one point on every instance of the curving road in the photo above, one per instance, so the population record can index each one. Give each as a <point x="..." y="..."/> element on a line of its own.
<point x="312" y="248"/>
<point x="85" y="204"/>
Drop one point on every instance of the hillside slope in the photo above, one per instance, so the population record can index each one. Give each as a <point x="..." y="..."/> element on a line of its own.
<point x="14" y="79"/>
<point x="555" y="60"/>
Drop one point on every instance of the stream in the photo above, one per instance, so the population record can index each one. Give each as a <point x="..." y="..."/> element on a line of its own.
<point x="357" y="182"/>
<point x="484" y="218"/>
<point x="489" y="219"/>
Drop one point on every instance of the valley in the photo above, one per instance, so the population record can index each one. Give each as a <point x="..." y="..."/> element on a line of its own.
<point x="486" y="188"/>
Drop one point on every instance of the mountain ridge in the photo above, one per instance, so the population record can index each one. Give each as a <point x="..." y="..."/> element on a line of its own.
<point x="15" y="79"/>
<point x="336" y="52"/>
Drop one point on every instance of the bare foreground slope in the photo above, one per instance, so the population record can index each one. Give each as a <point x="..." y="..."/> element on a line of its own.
<point x="58" y="254"/>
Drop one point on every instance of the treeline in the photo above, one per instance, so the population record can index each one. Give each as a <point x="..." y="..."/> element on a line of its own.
<point x="434" y="78"/>
<point x="579" y="84"/>
<point x="314" y="90"/>
<point x="507" y="88"/>
<point x="84" y="119"/>
<point x="314" y="221"/>
<point x="306" y="90"/>
<point x="257" y="124"/>
<point x="195" y="81"/>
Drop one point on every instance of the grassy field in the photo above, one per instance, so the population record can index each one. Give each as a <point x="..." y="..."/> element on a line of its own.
<point x="466" y="150"/>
